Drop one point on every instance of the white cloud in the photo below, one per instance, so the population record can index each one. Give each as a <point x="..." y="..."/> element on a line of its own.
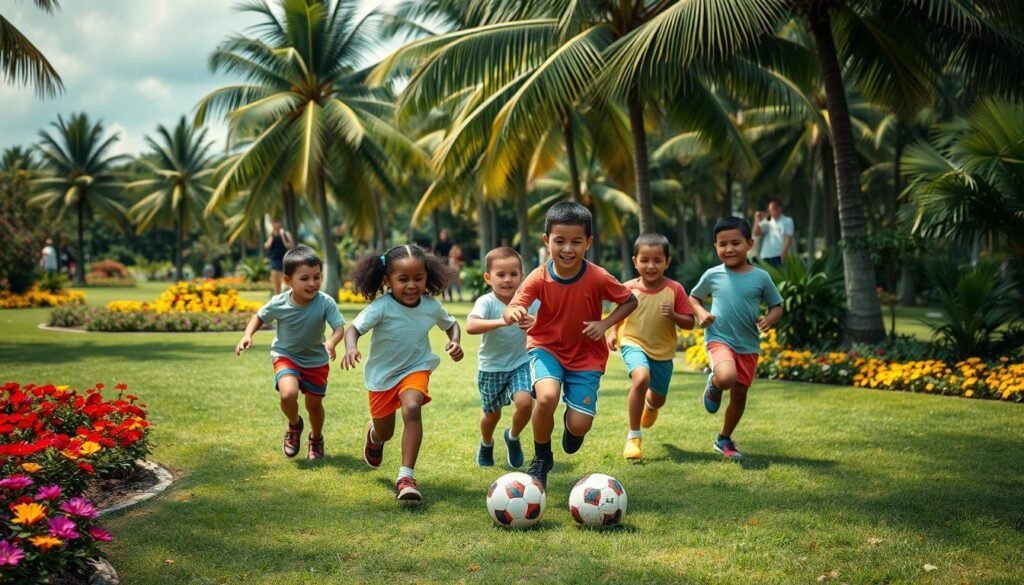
<point x="127" y="143"/>
<point x="153" y="89"/>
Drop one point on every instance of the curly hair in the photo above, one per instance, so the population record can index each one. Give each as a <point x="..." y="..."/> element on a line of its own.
<point x="369" y="271"/>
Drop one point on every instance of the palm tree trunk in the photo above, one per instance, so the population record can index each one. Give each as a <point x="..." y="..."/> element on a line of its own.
<point x="641" y="167"/>
<point x="570" y="154"/>
<point x="727" y="195"/>
<point x="332" y="264"/>
<point x="80" y="267"/>
<point x="483" y="220"/>
<point x="290" y="217"/>
<point x="626" y="257"/>
<point x="812" y="213"/>
<point x="523" y="219"/>
<point x="379" y="229"/>
<point x="829" y="217"/>
<point x="179" y="229"/>
<point x="682" y="234"/>
<point x="864" y="311"/>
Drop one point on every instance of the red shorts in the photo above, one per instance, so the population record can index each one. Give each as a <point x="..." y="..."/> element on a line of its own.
<point x="311" y="380"/>
<point x="746" y="363"/>
<point x="386" y="402"/>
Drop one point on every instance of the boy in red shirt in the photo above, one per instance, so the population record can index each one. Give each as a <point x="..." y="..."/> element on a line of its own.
<point x="566" y="343"/>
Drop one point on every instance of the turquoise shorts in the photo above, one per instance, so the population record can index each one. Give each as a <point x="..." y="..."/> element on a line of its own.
<point x="579" y="387"/>
<point x="661" y="370"/>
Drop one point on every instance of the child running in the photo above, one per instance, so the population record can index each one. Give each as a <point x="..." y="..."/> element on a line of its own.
<point x="566" y="343"/>
<point x="647" y="338"/>
<point x="731" y="329"/>
<point x="299" y="352"/>
<point x="503" y="376"/>
<point x="398" y="369"/>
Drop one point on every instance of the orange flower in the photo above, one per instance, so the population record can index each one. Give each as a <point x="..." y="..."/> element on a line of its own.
<point x="28" y="514"/>
<point x="31" y="467"/>
<point x="45" y="542"/>
<point x="89" y="447"/>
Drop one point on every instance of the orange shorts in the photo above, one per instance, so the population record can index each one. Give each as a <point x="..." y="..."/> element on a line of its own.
<point x="746" y="363"/>
<point x="311" y="380"/>
<point x="386" y="402"/>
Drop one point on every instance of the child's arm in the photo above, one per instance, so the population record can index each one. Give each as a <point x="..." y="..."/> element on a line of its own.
<point x="246" y="342"/>
<point x="765" y="323"/>
<point x="595" y="329"/>
<point x="454" y="349"/>
<point x="477" y="325"/>
<point x="701" y="314"/>
<point x="611" y="337"/>
<point x="334" y="340"/>
<point x="682" y="320"/>
<point x="352" y="355"/>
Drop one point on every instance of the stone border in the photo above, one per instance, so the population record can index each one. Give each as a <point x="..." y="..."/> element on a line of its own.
<point x="164" y="480"/>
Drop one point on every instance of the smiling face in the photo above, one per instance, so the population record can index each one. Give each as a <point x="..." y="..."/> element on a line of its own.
<point x="732" y="247"/>
<point x="504" y="277"/>
<point x="567" y="244"/>
<point x="304" y="282"/>
<point x="407" y="280"/>
<point x="651" y="262"/>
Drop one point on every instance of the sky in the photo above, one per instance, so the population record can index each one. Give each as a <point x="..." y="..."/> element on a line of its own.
<point x="133" y="64"/>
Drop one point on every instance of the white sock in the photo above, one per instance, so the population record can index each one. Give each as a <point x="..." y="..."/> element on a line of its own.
<point x="491" y="444"/>
<point x="512" y="436"/>
<point x="406" y="472"/>
<point x="634" y="435"/>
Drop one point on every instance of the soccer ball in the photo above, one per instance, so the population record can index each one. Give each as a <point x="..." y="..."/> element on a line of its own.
<point x="516" y="500"/>
<point x="598" y="500"/>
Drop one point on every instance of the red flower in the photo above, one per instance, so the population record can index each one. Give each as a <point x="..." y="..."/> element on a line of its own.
<point x="86" y="467"/>
<point x="121" y="386"/>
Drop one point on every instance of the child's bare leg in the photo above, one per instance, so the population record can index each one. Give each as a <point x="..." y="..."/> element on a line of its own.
<point x="654" y="399"/>
<point x="641" y="380"/>
<point x="488" y="422"/>
<point x="412" y="431"/>
<point x="315" y="410"/>
<point x="548" y="391"/>
<point x="578" y="422"/>
<point x="288" y="389"/>
<point x="523" y="403"/>
<point x="725" y="375"/>
<point x="383" y="429"/>
<point x="733" y="414"/>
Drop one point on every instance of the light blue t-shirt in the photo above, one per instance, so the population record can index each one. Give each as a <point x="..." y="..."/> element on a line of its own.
<point x="300" y="330"/>
<point x="502" y="349"/>
<point x="401" y="342"/>
<point x="736" y="299"/>
<point x="774" y="235"/>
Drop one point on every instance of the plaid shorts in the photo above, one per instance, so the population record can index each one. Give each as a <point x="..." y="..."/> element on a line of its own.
<point x="497" y="388"/>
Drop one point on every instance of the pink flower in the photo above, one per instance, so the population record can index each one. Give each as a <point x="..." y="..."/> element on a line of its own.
<point x="10" y="554"/>
<point x="15" y="482"/>
<point x="50" y="492"/>
<point x="61" y="527"/>
<point x="79" y="506"/>
<point x="100" y="534"/>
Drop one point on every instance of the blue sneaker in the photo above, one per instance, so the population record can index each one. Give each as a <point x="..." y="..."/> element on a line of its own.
<point x="515" y="450"/>
<point x="727" y="448"/>
<point x="485" y="455"/>
<point x="712" y="396"/>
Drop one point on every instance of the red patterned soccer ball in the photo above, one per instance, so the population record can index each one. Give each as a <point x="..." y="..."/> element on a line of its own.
<point x="515" y="500"/>
<point x="598" y="500"/>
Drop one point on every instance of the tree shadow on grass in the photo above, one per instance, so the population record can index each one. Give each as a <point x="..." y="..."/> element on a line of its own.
<point x="84" y="350"/>
<point x="342" y="461"/>
<point x="755" y="461"/>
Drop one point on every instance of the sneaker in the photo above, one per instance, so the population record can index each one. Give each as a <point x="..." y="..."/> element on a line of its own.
<point x="316" y="449"/>
<point x="407" y="491"/>
<point x="515" y="450"/>
<point x="633" y="450"/>
<point x="648" y="417"/>
<point x="539" y="469"/>
<point x="292" y="439"/>
<point x="485" y="455"/>
<point x="712" y="396"/>
<point x="727" y="448"/>
<point x="570" y="442"/>
<point x="372" y="454"/>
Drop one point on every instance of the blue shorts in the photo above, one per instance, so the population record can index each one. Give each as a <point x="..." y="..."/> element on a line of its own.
<point x="579" y="387"/>
<point x="497" y="388"/>
<point x="661" y="370"/>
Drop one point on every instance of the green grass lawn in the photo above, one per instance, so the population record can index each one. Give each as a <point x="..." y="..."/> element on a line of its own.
<point x="856" y="486"/>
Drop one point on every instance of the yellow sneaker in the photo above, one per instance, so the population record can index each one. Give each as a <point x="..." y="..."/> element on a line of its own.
<point x="648" y="417"/>
<point x="633" y="450"/>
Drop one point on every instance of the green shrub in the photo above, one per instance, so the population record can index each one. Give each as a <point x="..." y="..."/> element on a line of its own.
<point x="473" y="280"/>
<point x="52" y="282"/>
<point x="813" y="301"/>
<point x="254" y="269"/>
<point x="103" y="319"/>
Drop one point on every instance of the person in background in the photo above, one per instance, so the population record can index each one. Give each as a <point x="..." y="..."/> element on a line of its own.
<point x="279" y="242"/>
<point x="48" y="257"/>
<point x="776" y="232"/>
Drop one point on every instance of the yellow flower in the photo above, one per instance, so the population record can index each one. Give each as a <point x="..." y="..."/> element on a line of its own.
<point x="29" y="514"/>
<point x="89" y="447"/>
<point x="45" y="542"/>
<point x="31" y="467"/>
<point x="69" y="454"/>
<point x="969" y="393"/>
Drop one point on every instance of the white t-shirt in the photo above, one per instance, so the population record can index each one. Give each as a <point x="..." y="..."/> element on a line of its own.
<point x="773" y="238"/>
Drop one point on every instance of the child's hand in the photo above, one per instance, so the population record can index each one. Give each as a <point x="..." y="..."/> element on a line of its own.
<point x="330" y="350"/>
<point x="666" y="310"/>
<point x="706" y="320"/>
<point x="454" y="350"/>
<point x="763" y="324"/>
<point x="526" y="322"/>
<point x="612" y="340"/>
<point x="243" y="345"/>
<point x="515" y="314"/>
<point x="351" y="358"/>
<point x="594" y="329"/>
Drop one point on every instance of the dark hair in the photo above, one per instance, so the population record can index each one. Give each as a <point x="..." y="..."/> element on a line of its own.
<point x="500" y="254"/>
<point x="733" y="223"/>
<point x="568" y="213"/>
<point x="369" y="271"/>
<point x="775" y="200"/>
<point x="300" y="256"/>
<point x="652" y="240"/>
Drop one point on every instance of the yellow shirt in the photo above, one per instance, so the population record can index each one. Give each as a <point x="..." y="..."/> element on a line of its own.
<point x="646" y="327"/>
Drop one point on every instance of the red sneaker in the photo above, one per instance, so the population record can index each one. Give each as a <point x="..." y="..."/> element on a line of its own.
<point x="373" y="454"/>
<point x="292" y="438"/>
<point x="316" y="449"/>
<point x="407" y="490"/>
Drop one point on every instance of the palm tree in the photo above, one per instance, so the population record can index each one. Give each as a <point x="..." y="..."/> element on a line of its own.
<point x="177" y="190"/>
<point x="311" y="119"/>
<point x="79" y="174"/>
<point x="22" y="62"/>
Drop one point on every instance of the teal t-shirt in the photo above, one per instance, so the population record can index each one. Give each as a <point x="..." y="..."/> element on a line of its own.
<point x="502" y="349"/>
<point x="401" y="342"/>
<point x="300" y="330"/>
<point x="736" y="299"/>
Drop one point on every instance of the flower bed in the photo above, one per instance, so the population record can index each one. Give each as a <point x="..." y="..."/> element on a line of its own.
<point x="971" y="378"/>
<point x="107" y="320"/>
<point x="40" y="298"/>
<point x="53" y="442"/>
<point x="206" y="296"/>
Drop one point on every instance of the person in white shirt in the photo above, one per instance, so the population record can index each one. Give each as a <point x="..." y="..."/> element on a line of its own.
<point x="776" y="232"/>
